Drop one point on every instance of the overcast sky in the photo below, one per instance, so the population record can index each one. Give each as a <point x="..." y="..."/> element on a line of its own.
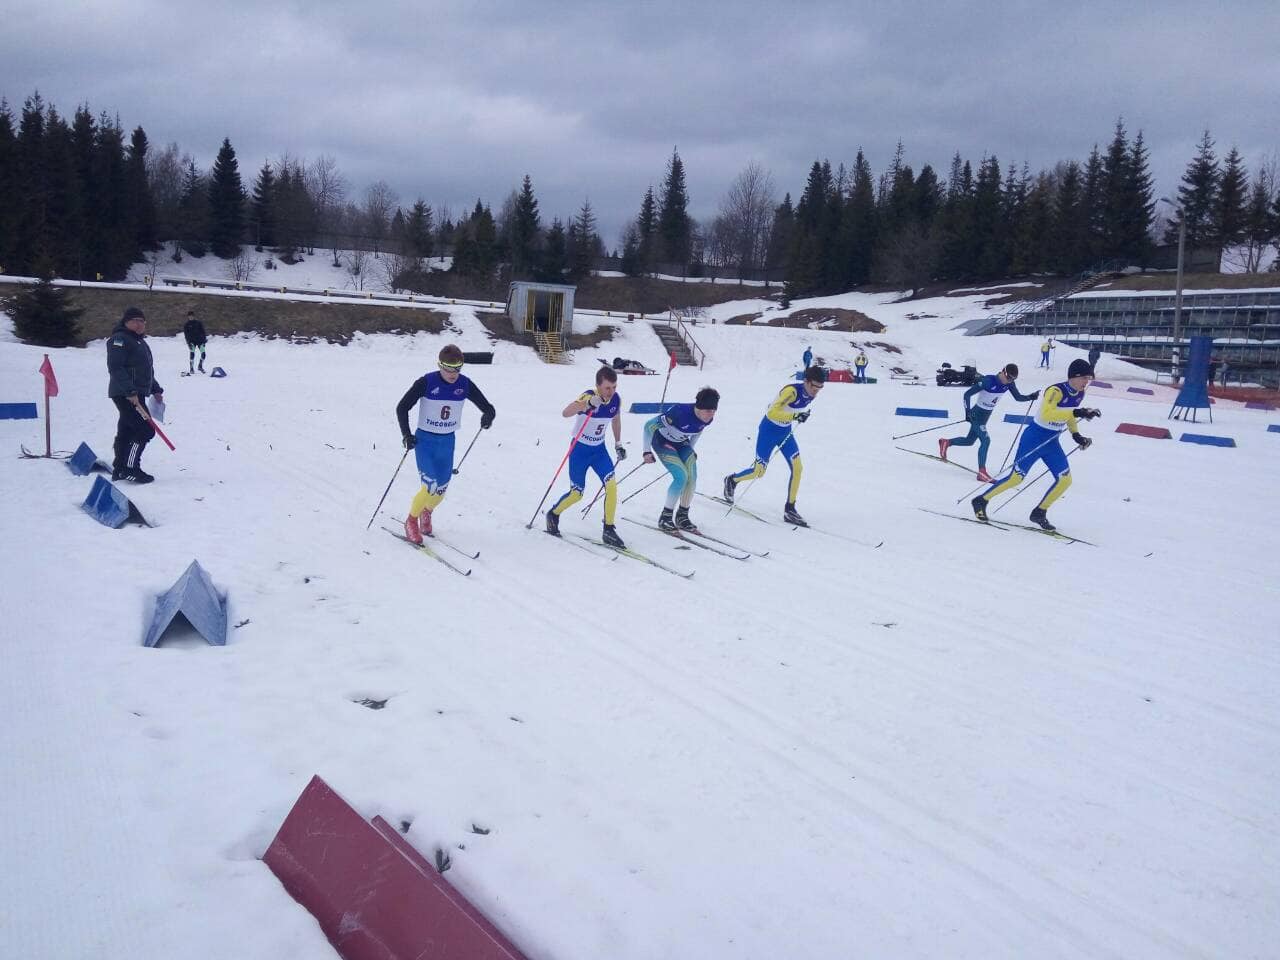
<point x="454" y="101"/>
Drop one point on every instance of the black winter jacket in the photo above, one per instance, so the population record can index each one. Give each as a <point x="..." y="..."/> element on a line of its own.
<point x="130" y="366"/>
<point x="193" y="332"/>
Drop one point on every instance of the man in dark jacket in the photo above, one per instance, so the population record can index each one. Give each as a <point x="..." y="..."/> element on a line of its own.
<point x="132" y="381"/>
<point x="193" y="331"/>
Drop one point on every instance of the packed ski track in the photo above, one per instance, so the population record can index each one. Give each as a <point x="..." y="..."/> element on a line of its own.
<point x="969" y="742"/>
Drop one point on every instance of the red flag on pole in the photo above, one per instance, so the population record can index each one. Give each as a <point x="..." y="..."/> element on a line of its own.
<point x="672" y="367"/>
<point x="50" y="381"/>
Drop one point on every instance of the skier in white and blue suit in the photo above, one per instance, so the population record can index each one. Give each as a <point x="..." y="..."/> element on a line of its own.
<point x="984" y="395"/>
<point x="670" y="437"/>
<point x="602" y="410"/>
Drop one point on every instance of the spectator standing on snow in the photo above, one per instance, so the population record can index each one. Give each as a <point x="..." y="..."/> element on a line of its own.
<point x="132" y="372"/>
<point x="1045" y="347"/>
<point x="860" y="367"/>
<point x="1095" y="353"/>
<point x="807" y="360"/>
<point x="1223" y="374"/>
<point x="194" y="333"/>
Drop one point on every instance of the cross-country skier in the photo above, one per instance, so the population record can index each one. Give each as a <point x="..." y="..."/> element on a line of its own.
<point x="985" y="395"/>
<point x="601" y="408"/>
<point x="788" y="406"/>
<point x="193" y="332"/>
<point x="1059" y="408"/>
<point x="670" y="437"/>
<point x="439" y="396"/>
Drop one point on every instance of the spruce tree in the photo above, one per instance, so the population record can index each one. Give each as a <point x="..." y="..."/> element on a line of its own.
<point x="32" y="200"/>
<point x="226" y="204"/>
<point x="631" y="262"/>
<point x="805" y="262"/>
<point x="1198" y="197"/>
<point x="263" y="208"/>
<point x="1139" y="205"/>
<point x="991" y="258"/>
<point x="525" y="228"/>
<point x="418" y="230"/>
<point x="1115" y="185"/>
<point x="675" y="230"/>
<point x="586" y="244"/>
<point x="955" y="223"/>
<point x="647" y="233"/>
<point x="8" y="187"/>
<point x="780" y="235"/>
<point x="193" y="212"/>
<point x="64" y="211"/>
<point x="1094" y="187"/>
<point x="860" y="224"/>
<point x="555" y="258"/>
<point x="117" y="220"/>
<point x="42" y="313"/>
<point x="1260" y="230"/>
<point x="91" y="255"/>
<point x="141" y="202"/>
<point x="1070" y="225"/>
<point x="1230" y="215"/>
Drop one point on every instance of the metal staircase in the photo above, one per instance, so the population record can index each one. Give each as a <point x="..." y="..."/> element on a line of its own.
<point x="675" y="335"/>
<point x="550" y="347"/>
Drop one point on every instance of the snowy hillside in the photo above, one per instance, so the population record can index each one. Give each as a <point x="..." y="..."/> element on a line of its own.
<point x="968" y="743"/>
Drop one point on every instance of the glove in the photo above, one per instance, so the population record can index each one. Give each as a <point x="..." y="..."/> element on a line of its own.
<point x="1034" y="396"/>
<point x="486" y="420"/>
<point x="1088" y="413"/>
<point x="620" y="452"/>
<point x="593" y="401"/>
<point x="1082" y="441"/>
<point x="409" y="441"/>
<point x="802" y="416"/>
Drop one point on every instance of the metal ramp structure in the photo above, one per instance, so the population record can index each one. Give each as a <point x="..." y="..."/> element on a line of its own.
<point x="676" y="336"/>
<point x="550" y="347"/>
<point x="1017" y="315"/>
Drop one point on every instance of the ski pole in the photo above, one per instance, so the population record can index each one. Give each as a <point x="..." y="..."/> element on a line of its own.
<point x="903" y="436"/>
<point x="388" y="490"/>
<point x="1032" y="483"/>
<point x="1005" y="461"/>
<point x="160" y="433"/>
<point x="585" y="420"/>
<point x="971" y="493"/>
<point x="620" y="483"/>
<point x="469" y="446"/>
<point x="645" y="487"/>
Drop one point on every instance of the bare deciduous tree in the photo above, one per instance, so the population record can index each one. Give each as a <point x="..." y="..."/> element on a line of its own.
<point x="328" y="189"/>
<point x="746" y="215"/>
<point x="354" y="265"/>
<point x="166" y="175"/>
<point x="243" y="265"/>
<point x="379" y="202"/>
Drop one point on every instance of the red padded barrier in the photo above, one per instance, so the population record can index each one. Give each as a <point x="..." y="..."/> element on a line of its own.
<point x="374" y="896"/>
<point x="1139" y="430"/>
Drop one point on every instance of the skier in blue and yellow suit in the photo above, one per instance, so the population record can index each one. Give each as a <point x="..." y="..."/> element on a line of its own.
<point x="1059" y="408"/>
<point x="775" y="434"/>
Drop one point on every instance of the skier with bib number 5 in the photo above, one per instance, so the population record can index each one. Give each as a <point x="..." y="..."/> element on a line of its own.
<point x="439" y="396"/>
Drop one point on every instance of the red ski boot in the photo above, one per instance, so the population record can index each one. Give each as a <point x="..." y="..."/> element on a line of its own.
<point x="942" y="448"/>
<point x="984" y="476"/>
<point x="412" y="532"/>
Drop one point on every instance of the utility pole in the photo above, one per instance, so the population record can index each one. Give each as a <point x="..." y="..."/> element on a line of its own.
<point x="1177" y="302"/>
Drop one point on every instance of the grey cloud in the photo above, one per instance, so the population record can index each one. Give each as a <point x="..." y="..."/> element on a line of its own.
<point x="452" y="101"/>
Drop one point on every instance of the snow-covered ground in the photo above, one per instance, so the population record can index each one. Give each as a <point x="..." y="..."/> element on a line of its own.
<point x="311" y="272"/>
<point x="968" y="743"/>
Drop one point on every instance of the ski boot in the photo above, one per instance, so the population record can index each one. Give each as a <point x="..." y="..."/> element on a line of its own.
<point x="666" y="523"/>
<point x="200" y="368"/>
<point x="979" y="505"/>
<point x="611" y="538"/>
<point x="553" y="523"/>
<point x="943" y="444"/>
<point x="730" y="485"/>
<point x="1041" y="519"/>
<point x="683" y="522"/>
<point x="790" y="515"/>
<point x="412" y="532"/>
<point x="984" y="476"/>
